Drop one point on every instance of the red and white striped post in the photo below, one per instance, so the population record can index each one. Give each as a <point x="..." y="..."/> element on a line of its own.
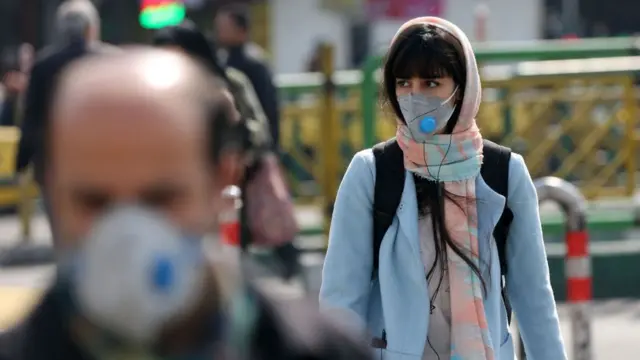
<point x="577" y="261"/>
<point x="578" y="266"/>
<point x="229" y="219"/>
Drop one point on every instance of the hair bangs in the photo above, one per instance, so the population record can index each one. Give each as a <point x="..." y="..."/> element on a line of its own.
<point x="423" y="57"/>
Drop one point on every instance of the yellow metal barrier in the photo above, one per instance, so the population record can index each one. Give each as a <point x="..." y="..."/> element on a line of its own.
<point x="304" y="113"/>
<point x="9" y="136"/>
<point x="14" y="191"/>
<point x="26" y="205"/>
<point x="330" y="133"/>
<point x="579" y="127"/>
<point x="19" y="190"/>
<point x="10" y="193"/>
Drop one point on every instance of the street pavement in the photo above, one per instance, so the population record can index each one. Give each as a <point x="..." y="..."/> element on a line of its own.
<point x="615" y="323"/>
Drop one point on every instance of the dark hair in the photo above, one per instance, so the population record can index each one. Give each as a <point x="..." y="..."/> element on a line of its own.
<point x="191" y="40"/>
<point x="223" y="132"/>
<point x="239" y="14"/>
<point x="429" y="52"/>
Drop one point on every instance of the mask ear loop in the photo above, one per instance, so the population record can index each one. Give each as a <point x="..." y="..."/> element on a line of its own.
<point x="450" y="96"/>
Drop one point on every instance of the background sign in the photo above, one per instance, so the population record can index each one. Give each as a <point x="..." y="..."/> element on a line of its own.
<point x="403" y="9"/>
<point x="156" y="14"/>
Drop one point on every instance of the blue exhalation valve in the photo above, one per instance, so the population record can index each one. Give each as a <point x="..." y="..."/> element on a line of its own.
<point x="428" y="125"/>
<point x="162" y="273"/>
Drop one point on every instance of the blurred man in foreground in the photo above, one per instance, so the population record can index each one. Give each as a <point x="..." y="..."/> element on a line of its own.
<point x="136" y="176"/>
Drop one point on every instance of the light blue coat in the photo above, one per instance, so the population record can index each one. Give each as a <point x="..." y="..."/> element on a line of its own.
<point x="398" y="300"/>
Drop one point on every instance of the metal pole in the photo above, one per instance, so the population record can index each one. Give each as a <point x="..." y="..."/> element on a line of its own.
<point x="519" y="345"/>
<point x="261" y="29"/>
<point x="329" y="131"/>
<point x="25" y="206"/>
<point x="578" y="259"/>
<point x="571" y="16"/>
<point x="367" y="101"/>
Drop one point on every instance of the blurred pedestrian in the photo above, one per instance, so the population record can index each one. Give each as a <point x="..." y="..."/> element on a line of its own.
<point x="187" y="38"/>
<point x="427" y="225"/>
<point x="15" y="82"/>
<point x="136" y="190"/>
<point x="267" y="217"/>
<point x="232" y="33"/>
<point x="77" y="34"/>
<point x="16" y="68"/>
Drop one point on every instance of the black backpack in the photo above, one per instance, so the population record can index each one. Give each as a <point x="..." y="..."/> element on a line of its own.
<point x="390" y="183"/>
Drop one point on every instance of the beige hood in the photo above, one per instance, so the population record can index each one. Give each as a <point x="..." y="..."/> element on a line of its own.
<point x="473" y="89"/>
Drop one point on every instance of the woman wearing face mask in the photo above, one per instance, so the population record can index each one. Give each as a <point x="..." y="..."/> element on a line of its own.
<point x="434" y="289"/>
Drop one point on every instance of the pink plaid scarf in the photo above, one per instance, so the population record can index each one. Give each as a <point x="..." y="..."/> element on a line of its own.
<point x="456" y="160"/>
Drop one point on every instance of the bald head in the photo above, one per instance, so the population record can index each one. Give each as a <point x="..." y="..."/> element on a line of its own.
<point x="139" y="76"/>
<point x="133" y="127"/>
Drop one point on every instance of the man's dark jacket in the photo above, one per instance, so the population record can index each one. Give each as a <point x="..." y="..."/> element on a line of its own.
<point x="49" y="65"/>
<point x="294" y="331"/>
<point x="249" y="60"/>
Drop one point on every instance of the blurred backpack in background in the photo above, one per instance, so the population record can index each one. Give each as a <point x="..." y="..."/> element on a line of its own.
<point x="269" y="208"/>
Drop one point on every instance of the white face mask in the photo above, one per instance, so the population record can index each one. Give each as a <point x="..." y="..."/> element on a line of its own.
<point x="426" y="115"/>
<point x="136" y="272"/>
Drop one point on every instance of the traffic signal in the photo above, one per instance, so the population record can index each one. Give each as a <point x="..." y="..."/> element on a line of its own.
<point x="156" y="14"/>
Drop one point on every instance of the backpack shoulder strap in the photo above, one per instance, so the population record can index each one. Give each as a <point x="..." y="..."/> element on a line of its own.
<point x="495" y="168"/>
<point x="495" y="172"/>
<point x="388" y="189"/>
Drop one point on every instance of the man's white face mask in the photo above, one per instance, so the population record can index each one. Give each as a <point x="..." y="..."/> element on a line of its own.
<point x="136" y="272"/>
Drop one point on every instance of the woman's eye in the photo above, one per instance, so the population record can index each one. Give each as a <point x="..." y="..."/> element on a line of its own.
<point x="432" y="84"/>
<point x="402" y="83"/>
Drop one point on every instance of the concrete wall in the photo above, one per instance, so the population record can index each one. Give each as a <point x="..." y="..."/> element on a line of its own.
<point x="298" y="24"/>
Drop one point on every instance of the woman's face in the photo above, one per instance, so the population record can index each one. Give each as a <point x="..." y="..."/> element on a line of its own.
<point x="440" y="87"/>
